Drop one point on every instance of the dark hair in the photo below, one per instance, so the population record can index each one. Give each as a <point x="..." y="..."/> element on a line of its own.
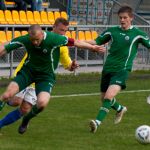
<point x="34" y="28"/>
<point x="126" y="9"/>
<point x="61" y="20"/>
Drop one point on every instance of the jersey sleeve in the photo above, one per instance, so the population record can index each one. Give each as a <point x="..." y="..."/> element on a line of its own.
<point x="103" y="38"/>
<point x="65" y="59"/>
<point x="14" y="44"/>
<point x="20" y="64"/>
<point x="145" y="40"/>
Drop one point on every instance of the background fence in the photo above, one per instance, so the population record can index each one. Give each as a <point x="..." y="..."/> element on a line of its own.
<point x="87" y="60"/>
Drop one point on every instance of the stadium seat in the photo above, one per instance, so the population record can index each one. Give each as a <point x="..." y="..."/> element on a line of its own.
<point x="2" y="18"/>
<point x="23" y="17"/>
<point x="24" y="32"/>
<point x="15" y="16"/>
<point x="81" y="35"/>
<point x="8" y="17"/>
<point x="50" y="16"/>
<point x="44" y="18"/>
<point x="88" y="35"/>
<point x="56" y="14"/>
<point x="30" y="17"/>
<point x="3" y="37"/>
<point x="17" y="34"/>
<point x="37" y="17"/>
<point x="73" y="34"/>
<point x="94" y="34"/>
<point x="68" y="34"/>
<point x="9" y="35"/>
<point x="73" y="22"/>
<point x="64" y="15"/>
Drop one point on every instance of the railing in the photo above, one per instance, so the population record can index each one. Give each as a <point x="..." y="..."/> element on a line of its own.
<point x="85" y="58"/>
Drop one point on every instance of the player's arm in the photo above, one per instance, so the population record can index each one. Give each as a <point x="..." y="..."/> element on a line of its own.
<point x="66" y="60"/>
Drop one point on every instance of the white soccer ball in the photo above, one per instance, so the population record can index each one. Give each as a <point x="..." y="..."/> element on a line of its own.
<point x="142" y="134"/>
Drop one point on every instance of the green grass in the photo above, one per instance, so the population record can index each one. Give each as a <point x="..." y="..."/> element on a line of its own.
<point x="64" y="123"/>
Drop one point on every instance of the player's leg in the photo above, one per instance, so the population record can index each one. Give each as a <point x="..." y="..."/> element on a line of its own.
<point x="17" y="113"/>
<point x="42" y="101"/>
<point x="111" y="92"/>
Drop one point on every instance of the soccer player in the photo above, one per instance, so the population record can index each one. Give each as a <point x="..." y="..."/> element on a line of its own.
<point x="43" y="57"/>
<point x="124" y="44"/>
<point x="28" y="97"/>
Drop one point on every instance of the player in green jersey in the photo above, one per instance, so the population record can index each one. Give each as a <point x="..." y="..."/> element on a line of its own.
<point x="43" y="57"/>
<point x="124" y="44"/>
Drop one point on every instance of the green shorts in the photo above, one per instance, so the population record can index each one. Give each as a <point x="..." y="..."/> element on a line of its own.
<point x="43" y="81"/>
<point x="117" y="78"/>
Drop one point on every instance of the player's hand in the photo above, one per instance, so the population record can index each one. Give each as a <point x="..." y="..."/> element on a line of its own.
<point x="97" y="48"/>
<point x="74" y="65"/>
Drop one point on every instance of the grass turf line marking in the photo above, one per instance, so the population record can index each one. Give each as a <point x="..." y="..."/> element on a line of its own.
<point x="95" y="94"/>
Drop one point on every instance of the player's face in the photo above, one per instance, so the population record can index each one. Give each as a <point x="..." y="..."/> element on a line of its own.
<point x="37" y="38"/>
<point x="60" y="29"/>
<point x="125" y="20"/>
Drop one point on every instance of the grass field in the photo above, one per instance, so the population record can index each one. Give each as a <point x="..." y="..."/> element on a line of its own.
<point x="64" y="123"/>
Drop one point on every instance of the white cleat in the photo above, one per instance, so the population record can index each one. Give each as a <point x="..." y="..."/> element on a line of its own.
<point x="93" y="126"/>
<point x="119" y="115"/>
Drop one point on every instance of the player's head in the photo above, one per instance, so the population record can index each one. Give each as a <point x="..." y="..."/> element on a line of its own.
<point x="125" y="14"/>
<point x="36" y="34"/>
<point x="60" y="26"/>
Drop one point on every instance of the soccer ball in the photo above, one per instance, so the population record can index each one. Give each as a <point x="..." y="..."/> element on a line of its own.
<point x="142" y="134"/>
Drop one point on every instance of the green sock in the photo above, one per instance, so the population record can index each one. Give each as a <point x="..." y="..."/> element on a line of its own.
<point x="115" y="105"/>
<point x="104" y="110"/>
<point x="34" y="111"/>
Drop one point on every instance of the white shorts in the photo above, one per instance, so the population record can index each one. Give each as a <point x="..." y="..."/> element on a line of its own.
<point x="28" y="95"/>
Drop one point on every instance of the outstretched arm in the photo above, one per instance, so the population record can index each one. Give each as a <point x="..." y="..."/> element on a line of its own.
<point x="85" y="45"/>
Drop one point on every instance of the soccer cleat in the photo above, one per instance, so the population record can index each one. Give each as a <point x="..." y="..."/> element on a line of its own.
<point x="2" y="104"/>
<point x="93" y="126"/>
<point x="23" y="128"/>
<point x="119" y="115"/>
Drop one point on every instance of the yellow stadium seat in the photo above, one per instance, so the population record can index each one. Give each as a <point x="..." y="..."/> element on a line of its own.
<point x="37" y="17"/>
<point x="88" y="35"/>
<point x="44" y="18"/>
<point x="3" y="37"/>
<point x="8" y="17"/>
<point x="17" y="34"/>
<point x="64" y="15"/>
<point x="68" y="34"/>
<point x="94" y="34"/>
<point x="56" y="14"/>
<point x="81" y="35"/>
<point x="9" y="35"/>
<point x="24" y="32"/>
<point x="30" y="17"/>
<point x="2" y="18"/>
<point x="23" y="17"/>
<point x="15" y="16"/>
<point x="50" y="16"/>
<point x="73" y="34"/>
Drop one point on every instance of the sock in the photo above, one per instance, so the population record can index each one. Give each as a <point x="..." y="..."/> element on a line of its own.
<point x="34" y="111"/>
<point x="115" y="105"/>
<point x="104" y="110"/>
<point x="10" y="118"/>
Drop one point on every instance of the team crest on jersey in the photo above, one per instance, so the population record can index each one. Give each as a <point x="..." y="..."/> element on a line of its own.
<point x="44" y="51"/>
<point x="126" y="37"/>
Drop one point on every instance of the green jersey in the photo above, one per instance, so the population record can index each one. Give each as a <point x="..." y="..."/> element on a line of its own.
<point x="44" y="58"/>
<point x="123" y="48"/>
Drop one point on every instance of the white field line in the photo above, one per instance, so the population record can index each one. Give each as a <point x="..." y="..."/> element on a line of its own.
<point x="95" y="94"/>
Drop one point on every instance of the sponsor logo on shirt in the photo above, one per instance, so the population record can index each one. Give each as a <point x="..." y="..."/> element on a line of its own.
<point x="44" y="51"/>
<point x="127" y="38"/>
